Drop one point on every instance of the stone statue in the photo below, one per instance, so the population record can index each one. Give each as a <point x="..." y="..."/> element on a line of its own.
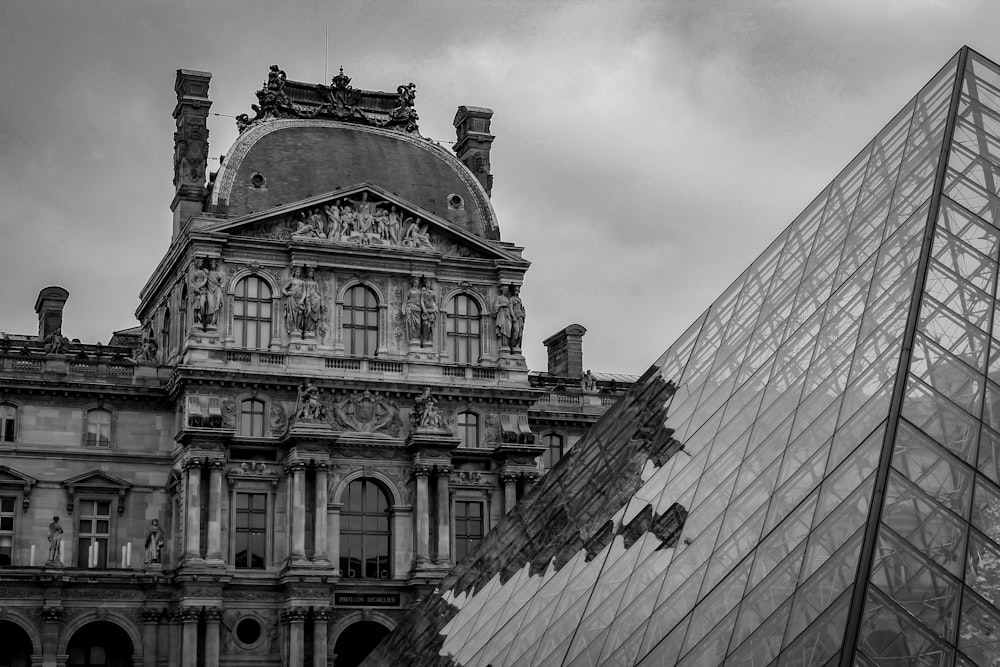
<point x="588" y="382"/>
<point x="517" y="318"/>
<point x="412" y="311"/>
<point x="504" y="320"/>
<point x="312" y="304"/>
<point x="215" y="294"/>
<point x="55" y="540"/>
<point x="154" y="542"/>
<point x="295" y="293"/>
<point x="146" y="353"/>
<point x="394" y="226"/>
<point x="333" y="230"/>
<point x="310" y="226"/>
<point x="428" y="313"/>
<point x="416" y="235"/>
<point x="198" y="291"/>
<point x="425" y="412"/>
<point x="56" y="343"/>
<point x="308" y="406"/>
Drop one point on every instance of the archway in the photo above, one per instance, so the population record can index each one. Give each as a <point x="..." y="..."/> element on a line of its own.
<point x="100" y="644"/>
<point x="15" y="646"/>
<point x="357" y="641"/>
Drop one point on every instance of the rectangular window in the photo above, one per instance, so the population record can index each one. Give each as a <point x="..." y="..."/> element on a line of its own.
<point x="469" y="527"/>
<point x="251" y="531"/>
<point x="94" y="533"/>
<point x="99" y="428"/>
<point x="7" y="514"/>
<point x="8" y="416"/>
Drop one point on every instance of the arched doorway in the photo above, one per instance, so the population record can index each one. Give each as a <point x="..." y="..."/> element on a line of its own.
<point x="100" y="644"/>
<point x="357" y="641"/>
<point x="15" y="646"/>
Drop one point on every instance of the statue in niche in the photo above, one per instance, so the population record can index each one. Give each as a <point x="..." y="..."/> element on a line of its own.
<point x="503" y="317"/>
<point x="412" y="311"/>
<point x="425" y="412"/>
<point x="517" y="317"/>
<point x="312" y="304"/>
<point x="215" y="294"/>
<point x="294" y="292"/>
<point x="308" y="407"/>
<point x="198" y="291"/>
<point x="56" y="343"/>
<point x="55" y="540"/>
<point x="428" y="314"/>
<point x="154" y="542"/>
<point x="416" y="235"/>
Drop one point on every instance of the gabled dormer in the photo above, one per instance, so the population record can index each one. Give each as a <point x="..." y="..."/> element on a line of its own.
<point x="16" y="482"/>
<point x="97" y="483"/>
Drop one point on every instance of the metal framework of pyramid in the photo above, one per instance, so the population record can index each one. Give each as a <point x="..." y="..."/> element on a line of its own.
<point x="809" y="475"/>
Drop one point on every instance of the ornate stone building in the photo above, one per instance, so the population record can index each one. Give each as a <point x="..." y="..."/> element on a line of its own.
<point x="324" y="407"/>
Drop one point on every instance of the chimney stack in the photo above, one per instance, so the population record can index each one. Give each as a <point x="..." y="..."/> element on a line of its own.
<point x="49" y="306"/>
<point x="566" y="351"/>
<point x="472" y="127"/>
<point x="190" y="145"/>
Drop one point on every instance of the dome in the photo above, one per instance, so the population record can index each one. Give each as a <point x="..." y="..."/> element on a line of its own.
<point x="283" y="161"/>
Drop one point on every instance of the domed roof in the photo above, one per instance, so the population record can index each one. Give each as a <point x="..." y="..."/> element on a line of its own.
<point x="282" y="161"/>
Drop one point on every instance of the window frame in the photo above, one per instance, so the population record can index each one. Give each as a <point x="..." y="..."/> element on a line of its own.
<point x="236" y="511"/>
<point x="97" y="444"/>
<point x="348" y="321"/>
<point x="459" y="344"/>
<point x="16" y="501"/>
<point x="462" y="429"/>
<point x="241" y="321"/>
<point x="546" y="440"/>
<point x="111" y="550"/>
<point x="264" y="414"/>
<point x="455" y="519"/>
<point x="346" y="514"/>
<point x="13" y="410"/>
<point x="258" y="484"/>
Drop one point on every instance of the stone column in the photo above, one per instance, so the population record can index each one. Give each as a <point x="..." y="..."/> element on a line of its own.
<point x="333" y="538"/>
<point x="297" y="472"/>
<point x="52" y="621"/>
<point x="296" y="634"/>
<point x="214" y="552"/>
<point x="321" y="620"/>
<point x="212" y="617"/>
<point x="174" y="643"/>
<point x="444" y="527"/>
<point x="423" y="514"/>
<point x="192" y="509"/>
<point x="189" y="635"/>
<point x="319" y="516"/>
<point x="509" y="491"/>
<point x="150" y="627"/>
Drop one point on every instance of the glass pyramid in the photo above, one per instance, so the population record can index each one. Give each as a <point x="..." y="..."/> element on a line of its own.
<point x="810" y="475"/>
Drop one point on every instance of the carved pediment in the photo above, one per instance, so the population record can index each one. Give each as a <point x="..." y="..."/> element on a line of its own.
<point x="367" y="217"/>
<point x="15" y="480"/>
<point x="96" y="481"/>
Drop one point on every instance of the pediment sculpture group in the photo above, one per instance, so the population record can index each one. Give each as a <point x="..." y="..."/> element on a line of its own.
<point x="364" y="222"/>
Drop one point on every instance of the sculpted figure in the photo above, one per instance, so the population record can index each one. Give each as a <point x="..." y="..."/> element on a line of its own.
<point x="147" y="350"/>
<point x="349" y="220"/>
<point x="55" y="538"/>
<point x="381" y="224"/>
<point x="394" y="226"/>
<point x="308" y="226"/>
<point x="294" y="292"/>
<point x="588" y="382"/>
<point x="412" y="311"/>
<point x="504" y="319"/>
<point x="333" y="222"/>
<point x="309" y="407"/>
<point x="365" y="215"/>
<point x="154" y="542"/>
<point x="517" y="317"/>
<point x="425" y="411"/>
<point x="428" y="313"/>
<point x="198" y="291"/>
<point x="416" y="235"/>
<point x="215" y="294"/>
<point x="312" y="303"/>
<point x="55" y="342"/>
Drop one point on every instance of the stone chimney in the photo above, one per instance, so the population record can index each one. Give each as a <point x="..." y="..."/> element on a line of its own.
<point x="190" y="145"/>
<point x="49" y="306"/>
<point x="566" y="351"/>
<point x="472" y="127"/>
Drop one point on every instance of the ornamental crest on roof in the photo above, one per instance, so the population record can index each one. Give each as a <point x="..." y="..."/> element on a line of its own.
<point x="281" y="98"/>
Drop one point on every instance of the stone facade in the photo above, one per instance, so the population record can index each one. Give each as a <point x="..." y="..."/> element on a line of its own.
<point x="324" y="405"/>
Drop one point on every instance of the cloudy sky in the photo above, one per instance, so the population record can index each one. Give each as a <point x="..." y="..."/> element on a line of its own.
<point x="646" y="152"/>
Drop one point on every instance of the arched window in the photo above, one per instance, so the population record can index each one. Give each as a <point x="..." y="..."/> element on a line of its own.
<point x="553" y="443"/>
<point x="182" y="316"/>
<point x="468" y="428"/>
<point x="99" y="428"/>
<point x="165" y="335"/>
<point x="364" y="532"/>
<point x="252" y="314"/>
<point x="252" y="418"/>
<point x="361" y="321"/>
<point x="8" y="422"/>
<point x="463" y="330"/>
